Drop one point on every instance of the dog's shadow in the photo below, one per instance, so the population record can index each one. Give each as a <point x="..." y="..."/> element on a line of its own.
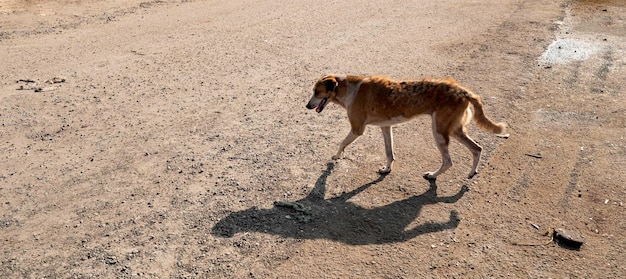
<point x="338" y="219"/>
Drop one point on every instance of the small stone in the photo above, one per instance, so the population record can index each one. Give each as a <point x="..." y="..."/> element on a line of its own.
<point x="110" y="260"/>
<point x="568" y="238"/>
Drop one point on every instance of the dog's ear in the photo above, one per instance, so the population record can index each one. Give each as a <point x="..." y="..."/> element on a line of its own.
<point x="331" y="84"/>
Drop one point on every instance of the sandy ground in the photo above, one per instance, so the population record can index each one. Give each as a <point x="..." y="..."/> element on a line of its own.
<point x="174" y="126"/>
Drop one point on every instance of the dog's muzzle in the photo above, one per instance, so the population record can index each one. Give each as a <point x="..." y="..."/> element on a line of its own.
<point x="321" y="104"/>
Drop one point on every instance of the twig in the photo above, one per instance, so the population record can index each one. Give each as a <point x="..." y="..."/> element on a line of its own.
<point x="293" y="205"/>
<point x="537" y="244"/>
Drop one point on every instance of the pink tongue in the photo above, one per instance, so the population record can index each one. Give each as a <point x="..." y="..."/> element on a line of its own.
<point x="320" y="105"/>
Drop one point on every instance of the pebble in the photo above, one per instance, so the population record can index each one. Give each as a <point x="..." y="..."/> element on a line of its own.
<point x="110" y="260"/>
<point x="568" y="237"/>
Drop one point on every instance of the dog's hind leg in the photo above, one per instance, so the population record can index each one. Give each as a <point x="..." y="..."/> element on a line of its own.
<point x="388" y="137"/>
<point x="475" y="148"/>
<point x="442" y="140"/>
<point x="442" y="144"/>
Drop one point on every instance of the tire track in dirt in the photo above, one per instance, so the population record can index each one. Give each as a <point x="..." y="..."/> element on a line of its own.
<point x="549" y="191"/>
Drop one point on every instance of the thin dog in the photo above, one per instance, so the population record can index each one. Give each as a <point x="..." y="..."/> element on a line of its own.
<point x="380" y="101"/>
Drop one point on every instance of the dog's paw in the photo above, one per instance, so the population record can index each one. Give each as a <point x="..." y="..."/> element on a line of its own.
<point x="384" y="170"/>
<point x="336" y="157"/>
<point x="429" y="176"/>
<point x="471" y="175"/>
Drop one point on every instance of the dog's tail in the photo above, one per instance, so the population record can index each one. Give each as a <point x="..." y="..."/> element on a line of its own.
<point x="482" y="121"/>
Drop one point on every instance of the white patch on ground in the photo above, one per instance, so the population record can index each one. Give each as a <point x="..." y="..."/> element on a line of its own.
<point x="566" y="50"/>
<point x="571" y="44"/>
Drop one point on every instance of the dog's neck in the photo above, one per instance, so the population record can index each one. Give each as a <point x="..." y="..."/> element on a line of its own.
<point x="347" y="89"/>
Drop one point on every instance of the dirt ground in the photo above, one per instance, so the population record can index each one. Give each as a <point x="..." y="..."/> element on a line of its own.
<point x="173" y="127"/>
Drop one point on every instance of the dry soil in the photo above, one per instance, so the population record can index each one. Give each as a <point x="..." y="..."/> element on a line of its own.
<point x="173" y="127"/>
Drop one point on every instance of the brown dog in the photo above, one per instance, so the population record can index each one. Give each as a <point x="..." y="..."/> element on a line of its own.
<point x="384" y="102"/>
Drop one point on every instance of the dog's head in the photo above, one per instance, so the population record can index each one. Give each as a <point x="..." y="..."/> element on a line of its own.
<point x="325" y="89"/>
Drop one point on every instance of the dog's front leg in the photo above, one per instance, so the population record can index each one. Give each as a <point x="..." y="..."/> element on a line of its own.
<point x="388" y="137"/>
<point x="348" y="140"/>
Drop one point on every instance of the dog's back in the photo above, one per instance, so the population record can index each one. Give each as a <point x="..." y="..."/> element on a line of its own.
<point x="382" y="97"/>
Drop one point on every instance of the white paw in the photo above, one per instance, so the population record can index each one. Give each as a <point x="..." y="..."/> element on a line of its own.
<point x="384" y="170"/>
